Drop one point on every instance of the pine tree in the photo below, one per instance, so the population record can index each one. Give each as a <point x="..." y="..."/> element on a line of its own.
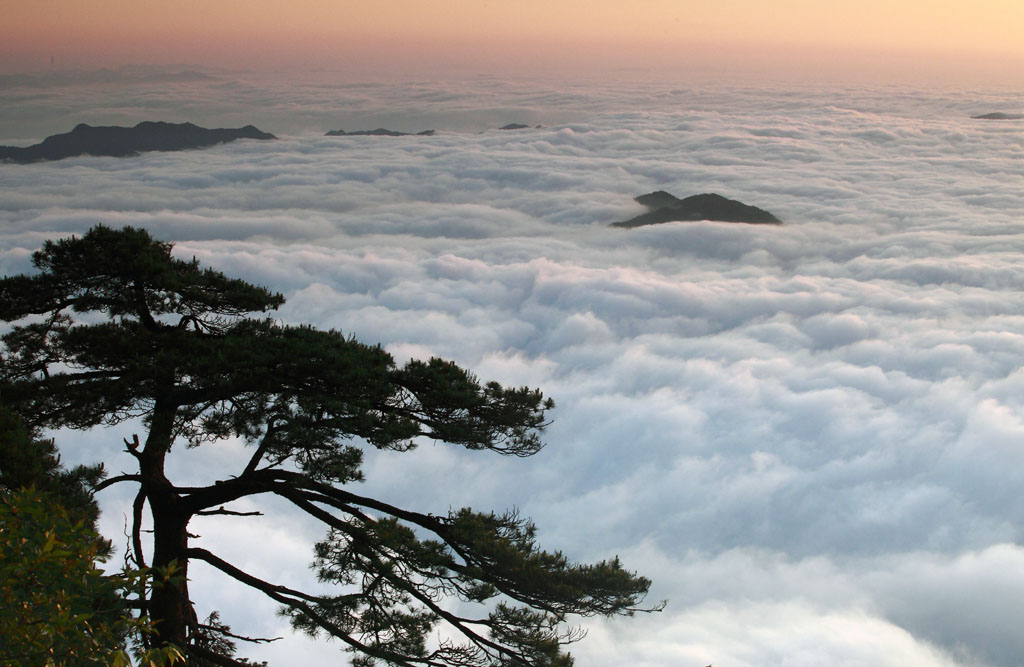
<point x="113" y="328"/>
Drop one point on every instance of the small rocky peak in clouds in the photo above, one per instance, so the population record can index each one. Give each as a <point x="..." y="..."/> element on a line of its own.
<point x="665" y="207"/>
<point x="519" y="126"/>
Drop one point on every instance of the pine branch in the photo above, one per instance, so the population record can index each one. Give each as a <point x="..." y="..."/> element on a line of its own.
<point x="459" y="623"/>
<point x="281" y="593"/>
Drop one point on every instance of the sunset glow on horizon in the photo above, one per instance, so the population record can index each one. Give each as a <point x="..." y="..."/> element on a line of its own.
<point x="453" y="32"/>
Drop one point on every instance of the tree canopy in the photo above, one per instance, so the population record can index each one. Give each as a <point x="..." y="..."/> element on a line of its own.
<point x="112" y="328"/>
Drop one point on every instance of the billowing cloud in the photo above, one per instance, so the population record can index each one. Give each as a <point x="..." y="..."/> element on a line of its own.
<point x="808" y="436"/>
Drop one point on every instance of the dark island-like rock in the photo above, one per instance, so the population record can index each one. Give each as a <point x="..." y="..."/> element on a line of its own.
<point x="999" y="115"/>
<point x="519" y="126"/>
<point x="115" y="141"/>
<point x="379" y="132"/>
<point x="665" y="207"/>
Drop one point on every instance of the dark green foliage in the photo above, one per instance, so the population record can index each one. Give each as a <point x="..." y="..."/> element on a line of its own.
<point x="57" y="607"/>
<point x="28" y="461"/>
<point x="113" y="327"/>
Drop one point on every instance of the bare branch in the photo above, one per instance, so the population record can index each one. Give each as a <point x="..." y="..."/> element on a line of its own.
<point x="137" y="506"/>
<point x="261" y="450"/>
<point x="140" y="559"/>
<point x="222" y="511"/>
<point x="246" y="578"/>
<point x="114" y="480"/>
<point x="222" y="631"/>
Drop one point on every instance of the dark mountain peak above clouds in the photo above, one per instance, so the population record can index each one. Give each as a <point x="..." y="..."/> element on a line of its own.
<point x="518" y="126"/>
<point x="658" y="199"/>
<point x="379" y="132"/>
<point x="664" y="207"/>
<point x="116" y="141"/>
<point x="999" y="115"/>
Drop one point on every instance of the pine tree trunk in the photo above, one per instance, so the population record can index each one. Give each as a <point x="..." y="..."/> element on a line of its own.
<point x="169" y="606"/>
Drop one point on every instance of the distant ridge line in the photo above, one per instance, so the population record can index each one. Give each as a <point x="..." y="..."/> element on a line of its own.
<point x="117" y="141"/>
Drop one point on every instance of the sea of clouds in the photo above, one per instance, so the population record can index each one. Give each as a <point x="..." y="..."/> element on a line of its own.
<point x="810" y="437"/>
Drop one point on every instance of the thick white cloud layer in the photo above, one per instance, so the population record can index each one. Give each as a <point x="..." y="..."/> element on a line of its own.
<point x="808" y="436"/>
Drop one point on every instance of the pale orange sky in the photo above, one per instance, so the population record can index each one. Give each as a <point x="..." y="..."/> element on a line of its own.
<point x="233" y="32"/>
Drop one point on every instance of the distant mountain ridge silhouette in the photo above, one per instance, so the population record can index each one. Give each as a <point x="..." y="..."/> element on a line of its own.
<point x="999" y="115"/>
<point x="379" y="132"/>
<point x="117" y="141"/>
<point x="665" y="207"/>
